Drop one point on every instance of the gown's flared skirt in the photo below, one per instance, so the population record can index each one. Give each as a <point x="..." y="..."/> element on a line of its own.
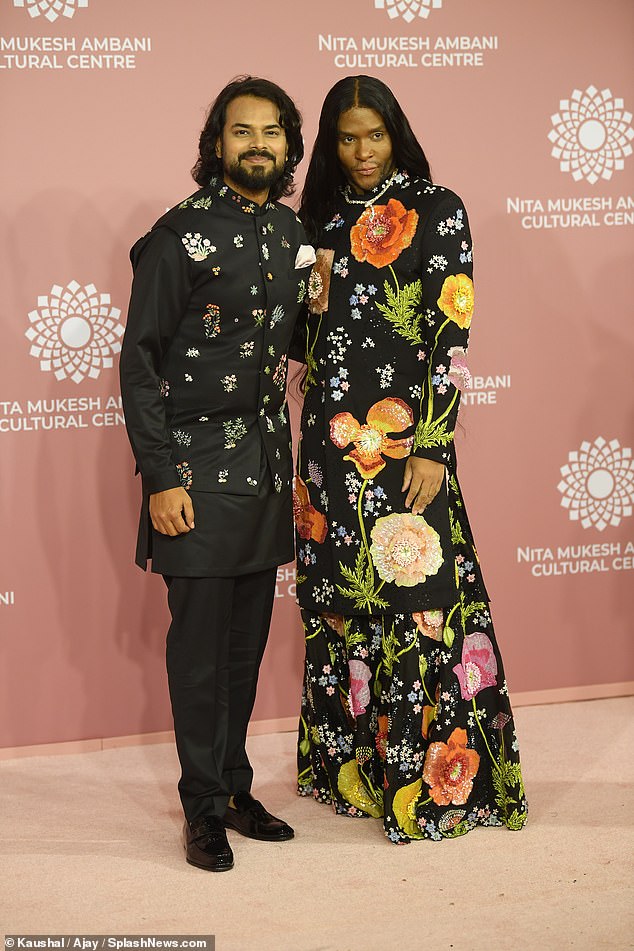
<point x="407" y="717"/>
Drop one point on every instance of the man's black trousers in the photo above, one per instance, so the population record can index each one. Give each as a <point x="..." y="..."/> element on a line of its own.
<point x="215" y="644"/>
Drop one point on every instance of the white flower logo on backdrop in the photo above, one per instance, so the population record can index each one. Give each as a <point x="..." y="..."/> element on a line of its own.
<point x="598" y="484"/>
<point x="591" y="135"/>
<point x="408" y="9"/>
<point x="75" y="332"/>
<point x="51" y="9"/>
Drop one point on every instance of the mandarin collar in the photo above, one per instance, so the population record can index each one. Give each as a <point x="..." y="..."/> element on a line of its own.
<point x="245" y="205"/>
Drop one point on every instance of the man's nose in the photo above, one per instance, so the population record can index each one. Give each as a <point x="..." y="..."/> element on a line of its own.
<point x="257" y="139"/>
<point x="364" y="149"/>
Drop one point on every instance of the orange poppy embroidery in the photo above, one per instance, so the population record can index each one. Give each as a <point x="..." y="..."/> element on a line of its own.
<point x="382" y="232"/>
<point x="310" y="523"/>
<point x="456" y="299"/>
<point x="450" y="769"/>
<point x="371" y="443"/>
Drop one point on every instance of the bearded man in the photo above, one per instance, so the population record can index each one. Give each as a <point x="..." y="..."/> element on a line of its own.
<point x="217" y="287"/>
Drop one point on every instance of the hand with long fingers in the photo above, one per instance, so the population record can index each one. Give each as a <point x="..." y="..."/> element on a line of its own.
<point x="422" y="481"/>
<point x="172" y="511"/>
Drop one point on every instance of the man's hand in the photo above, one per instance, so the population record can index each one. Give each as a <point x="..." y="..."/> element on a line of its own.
<point x="172" y="512"/>
<point x="423" y="478"/>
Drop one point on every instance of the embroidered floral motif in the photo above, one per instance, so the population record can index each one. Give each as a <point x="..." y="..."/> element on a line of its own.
<point x="429" y="623"/>
<point x="437" y="262"/>
<point x="405" y="549"/>
<point x="340" y="267"/>
<point x="370" y="440"/>
<point x="458" y="372"/>
<point x="164" y="388"/>
<point x="450" y="769"/>
<point x="279" y="374"/>
<point x="479" y="666"/>
<point x="211" y="321"/>
<point x="277" y="314"/>
<point x="451" y="225"/>
<point x="181" y="437"/>
<point x="456" y="299"/>
<point x="310" y="523"/>
<point x="185" y="474"/>
<point x="197" y="247"/>
<point x="235" y="430"/>
<point x="337" y="222"/>
<point x="246" y="349"/>
<point x="359" y="696"/>
<point x="383" y="232"/>
<point x="202" y="203"/>
<point x="229" y="382"/>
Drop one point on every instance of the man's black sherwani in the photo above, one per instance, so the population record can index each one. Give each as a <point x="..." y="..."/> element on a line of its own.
<point x="215" y="296"/>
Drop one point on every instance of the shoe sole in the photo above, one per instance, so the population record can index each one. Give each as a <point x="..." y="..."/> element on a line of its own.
<point x="261" y="838"/>
<point x="209" y="868"/>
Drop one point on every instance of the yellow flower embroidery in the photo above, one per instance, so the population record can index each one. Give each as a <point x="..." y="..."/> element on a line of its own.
<point x="456" y="299"/>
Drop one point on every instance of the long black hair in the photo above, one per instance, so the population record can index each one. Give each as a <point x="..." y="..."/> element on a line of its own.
<point x="325" y="176"/>
<point x="208" y="163"/>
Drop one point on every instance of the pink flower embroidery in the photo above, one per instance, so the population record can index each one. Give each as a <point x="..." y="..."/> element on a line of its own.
<point x="359" y="696"/>
<point x="458" y="370"/>
<point x="479" y="666"/>
<point x="405" y="549"/>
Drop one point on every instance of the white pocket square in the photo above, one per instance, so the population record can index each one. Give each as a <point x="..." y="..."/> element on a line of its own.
<point x="305" y="255"/>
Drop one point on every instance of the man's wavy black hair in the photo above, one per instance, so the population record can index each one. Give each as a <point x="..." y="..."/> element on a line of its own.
<point x="325" y="176"/>
<point x="208" y="164"/>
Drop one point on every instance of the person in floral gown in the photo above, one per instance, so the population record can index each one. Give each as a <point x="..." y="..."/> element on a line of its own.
<point x="405" y="709"/>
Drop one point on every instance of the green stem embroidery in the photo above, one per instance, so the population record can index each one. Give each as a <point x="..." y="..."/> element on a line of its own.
<point x="486" y="742"/>
<point x="362" y="527"/>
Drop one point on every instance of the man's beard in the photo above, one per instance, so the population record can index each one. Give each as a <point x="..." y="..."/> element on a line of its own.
<point x="257" y="178"/>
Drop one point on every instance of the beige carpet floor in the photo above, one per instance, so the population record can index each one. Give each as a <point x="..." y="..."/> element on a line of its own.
<point x="90" y="845"/>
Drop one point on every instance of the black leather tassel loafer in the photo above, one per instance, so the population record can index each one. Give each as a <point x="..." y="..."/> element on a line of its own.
<point x="249" y="817"/>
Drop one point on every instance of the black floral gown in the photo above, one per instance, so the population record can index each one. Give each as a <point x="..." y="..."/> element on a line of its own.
<point x="405" y="709"/>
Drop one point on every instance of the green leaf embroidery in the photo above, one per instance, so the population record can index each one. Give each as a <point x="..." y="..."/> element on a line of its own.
<point x="361" y="579"/>
<point x="453" y="484"/>
<point x="432" y="434"/>
<point x="516" y="820"/>
<point x="448" y="635"/>
<point x="389" y="651"/>
<point x="400" y="310"/>
<point x="506" y="777"/>
<point x="311" y="369"/>
<point x="301" y="293"/>
<point x="456" y="531"/>
<point x="466" y="610"/>
<point x="460" y="829"/>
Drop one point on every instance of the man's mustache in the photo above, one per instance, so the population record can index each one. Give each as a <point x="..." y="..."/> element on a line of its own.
<point x="253" y="153"/>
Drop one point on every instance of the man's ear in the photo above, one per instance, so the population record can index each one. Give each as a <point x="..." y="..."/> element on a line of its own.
<point x="218" y="148"/>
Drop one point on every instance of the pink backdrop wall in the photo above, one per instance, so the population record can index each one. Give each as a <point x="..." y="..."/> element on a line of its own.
<point x="522" y="109"/>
